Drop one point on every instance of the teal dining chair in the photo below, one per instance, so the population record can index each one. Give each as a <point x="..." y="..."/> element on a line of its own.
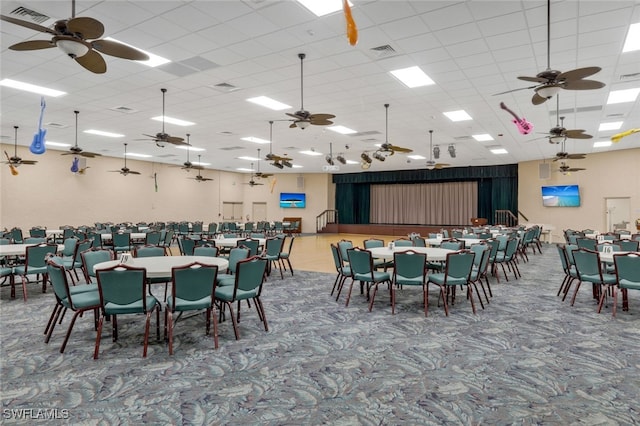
<point x="409" y="271"/>
<point x="92" y="257"/>
<point x="123" y="291"/>
<point x="627" y="266"/>
<point x="363" y="271"/>
<point x="589" y="268"/>
<point x="343" y="271"/>
<point x="235" y="255"/>
<point x="34" y="264"/>
<point x="457" y="272"/>
<point x="192" y="289"/>
<point x="273" y="248"/>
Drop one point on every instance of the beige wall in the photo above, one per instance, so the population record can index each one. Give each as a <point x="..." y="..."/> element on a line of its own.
<point x="609" y="174"/>
<point x="48" y="194"/>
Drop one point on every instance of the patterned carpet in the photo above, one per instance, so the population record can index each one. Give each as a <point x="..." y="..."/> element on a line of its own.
<point x="527" y="358"/>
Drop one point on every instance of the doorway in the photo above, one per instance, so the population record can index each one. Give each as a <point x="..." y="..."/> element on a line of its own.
<point x="618" y="213"/>
<point x="259" y="212"/>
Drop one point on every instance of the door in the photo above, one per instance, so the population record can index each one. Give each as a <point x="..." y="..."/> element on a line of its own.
<point x="231" y="211"/>
<point x="259" y="212"/>
<point x="618" y="212"/>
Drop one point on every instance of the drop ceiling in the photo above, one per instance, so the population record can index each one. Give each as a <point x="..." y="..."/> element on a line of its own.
<point x="224" y="52"/>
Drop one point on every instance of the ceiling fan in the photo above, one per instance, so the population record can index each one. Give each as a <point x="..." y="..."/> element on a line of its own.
<point x="163" y="138"/>
<point x="259" y="174"/>
<point x="563" y="155"/>
<point x="386" y="148"/>
<point x="252" y="182"/>
<point x="565" y="169"/>
<point x="278" y="161"/>
<point x="199" y="177"/>
<point x="303" y="118"/>
<point x="72" y="37"/>
<point x="15" y="161"/>
<point x="125" y="170"/>
<point x="432" y="164"/>
<point x="76" y="150"/>
<point x="188" y="165"/>
<point x="549" y="82"/>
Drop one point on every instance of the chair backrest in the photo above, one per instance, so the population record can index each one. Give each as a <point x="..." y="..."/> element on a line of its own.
<point x="186" y="246"/>
<point x="360" y="261"/>
<point x="251" y="244"/>
<point x="81" y="247"/>
<point x="168" y="237"/>
<point x="5" y="241"/>
<point x="372" y="242"/>
<point x="479" y="251"/>
<point x="409" y="264"/>
<point x="148" y="251"/>
<point x="37" y="233"/>
<point x="403" y="242"/>
<point x="493" y="244"/>
<point x="587" y="262"/>
<point x="274" y="246"/>
<point x="122" y="285"/>
<point x="96" y="239"/>
<point x="193" y="282"/>
<point x="562" y="253"/>
<point x="452" y="245"/>
<point x="92" y="257"/>
<point x="569" y="249"/>
<point x="459" y="264"/>
<point x="628" y="245"/>
<point x="627" y="269"/>
<point x="16" y="236"/>
<point x="337" y="260"/>
<point x="69" y="246"/>
<point x="183" y="228"/>
<point x="292" y="238"/>
<point x="419" y="241"/>
<point x="152" y="238"/>
<point x="602" y="246"/>
<point x="196" y="227"/>
<point x="588" y="243"/>
<point x="237" y="254"/>
<point x="58" y="278"/>
<point x="35" y="255"/>
<point x="206" y="250"/>
<point x="121" y="239"/>
<point x="248" y="226"/>
<point x="502" y="240"/>
<point x="343" y="246"/>
<point x="250" y="274"/>
<point x="34" y="240"/>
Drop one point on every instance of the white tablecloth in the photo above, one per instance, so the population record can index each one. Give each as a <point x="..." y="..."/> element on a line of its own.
<point x="160" y="266"/>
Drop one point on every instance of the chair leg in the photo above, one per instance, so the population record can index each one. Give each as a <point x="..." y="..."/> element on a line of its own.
<point x="470" y="294"/>
<point x="96" y="349"/>
<point x="260" y="309"/>
<point x="348" y="294"/>
<point x="147" y="323"/>
<point x="66" y="337"/>
<point x="168" y="328"/>
<point x="575" y="293"/>
<point x="233" y="320"/>
<point x="52" y="322"/>
<point x="373" y="296"/>
<point x="212" y="313"/>
<point x="290" y="267"/>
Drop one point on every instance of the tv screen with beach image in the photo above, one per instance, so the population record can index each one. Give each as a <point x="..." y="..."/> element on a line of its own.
<point x="561" y="196"/>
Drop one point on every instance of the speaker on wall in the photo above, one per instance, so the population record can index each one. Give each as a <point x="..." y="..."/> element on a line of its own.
<point x="544" y="170"/>
<point x="300" y="182"/>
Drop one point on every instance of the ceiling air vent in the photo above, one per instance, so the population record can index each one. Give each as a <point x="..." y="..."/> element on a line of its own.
<point x="384" y="51"/>
<point x="124" y="109"/>
<point x="225" y="87"/>
<point x="31" y="15"/>
<point x="462" y="138"/>
<point x="231" y="148"/>
<point x="630" y="77"/>
<point x="226" y="133"/>
<point x="365" y="133"/>
<point x="56" y="125"/>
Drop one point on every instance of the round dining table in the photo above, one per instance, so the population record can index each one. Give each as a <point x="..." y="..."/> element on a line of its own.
<point x="19" y="249"/>
<point x="233" y="242"/>
<point x="467" y="241"/>
<point x="160" y="266"/>
<point x="433" y="253"/>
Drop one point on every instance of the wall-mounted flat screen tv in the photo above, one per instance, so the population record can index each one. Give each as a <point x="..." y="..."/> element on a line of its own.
<point x="561" y="196"/>
<point x="293" y="200"/>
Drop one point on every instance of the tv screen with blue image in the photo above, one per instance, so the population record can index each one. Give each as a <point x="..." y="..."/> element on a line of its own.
<point x="561" y="196"/>
<point x="293" y="200"/>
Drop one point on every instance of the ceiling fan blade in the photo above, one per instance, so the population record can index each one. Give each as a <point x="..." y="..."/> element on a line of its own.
<point x="119" y="50"/>
<point x="320" y="117"/>
<point x="33" y="45"/>
<point x="175" y="140"/>
<point x="400" y="149"/>
<point x="87" y="27"/>
<point x="320" y="122"/>
<point x="578" y="73"/>
<point x="293" y="125"/>
<point x="537" y="99"/>
<point x="93" y="61"/>
<point x="133" y="172"/>
<point x="28" y="162"/>
<point x="26" y="24"/>
<point x="577" y="134"/>
<point x="296" y="116"/>
<point x="576" y="156"/>
<point x="582" y="85"/>
<point x="575" y="169"/>
<point x="534" y="79"/>
<point x="441" y="165"/>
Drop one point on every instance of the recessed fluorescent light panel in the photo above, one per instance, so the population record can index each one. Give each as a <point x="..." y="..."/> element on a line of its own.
<point x="296" y="166"/>
<point x="102" y="133"/>
<point x="269" y="103"/>
<point x="313" y="153"/>
<point x="190" y="148"/>
<point x="499" y="151"/>
<point x="254" y="139"/>
<point x="27" y="87"/>
<point x="614" y="125"/>
<point x="342" y="130"/>
<point x="416" y="157"/>
<point x="248" y="159"/>
<point x="601" y="144"/>
<point x="153" y="61"/>
<point x="412" y="77"/>
<point x="460" y="115"/>
<point x="352" y="162"/>
<point x="175" y="121"/>
<point x="621" y="96"/>
<point x="483" y="137"/>
<point x="198" y="163"/>
<point x="244" y="169"/>
<point x="51" y="143"/>
<point x="133" y="154"/>
<point x="632" y="41"/>
<point x="322" y="7"/>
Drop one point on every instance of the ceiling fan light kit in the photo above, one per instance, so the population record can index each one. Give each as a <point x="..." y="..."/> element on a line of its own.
<point x="556" y="139"/>
<point x="548" y="92"/>
<point x="72" y="48"/>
